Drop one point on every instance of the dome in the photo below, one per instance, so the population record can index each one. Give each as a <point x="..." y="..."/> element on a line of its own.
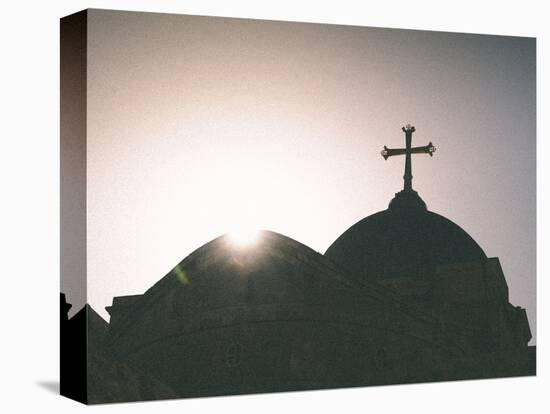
<point x="224" y="265"/>
<point x="227" y="277"/>
<point x="404" y="240"/>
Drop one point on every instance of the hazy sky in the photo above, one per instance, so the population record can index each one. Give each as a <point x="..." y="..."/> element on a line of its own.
<point x="198" y="125"/>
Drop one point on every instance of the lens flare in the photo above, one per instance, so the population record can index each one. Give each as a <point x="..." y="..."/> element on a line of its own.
<point x="181" y="275"/>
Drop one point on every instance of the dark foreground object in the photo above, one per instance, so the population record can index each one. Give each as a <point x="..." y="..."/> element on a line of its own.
<point x="279" y="316"/>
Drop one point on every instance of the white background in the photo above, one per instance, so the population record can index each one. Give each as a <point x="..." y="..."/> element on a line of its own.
<point x="29" y="219"/>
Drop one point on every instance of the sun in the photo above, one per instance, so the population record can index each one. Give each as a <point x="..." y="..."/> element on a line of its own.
<point x="244" y="236"/>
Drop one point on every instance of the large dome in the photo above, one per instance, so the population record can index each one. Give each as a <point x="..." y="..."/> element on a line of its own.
<point x="404" y="240"/>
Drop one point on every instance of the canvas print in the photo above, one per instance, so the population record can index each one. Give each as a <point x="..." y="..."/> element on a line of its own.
<point x="255" y="206"/>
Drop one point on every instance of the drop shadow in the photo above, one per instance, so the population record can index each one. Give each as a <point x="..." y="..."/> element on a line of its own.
<point x="51" y="386"/>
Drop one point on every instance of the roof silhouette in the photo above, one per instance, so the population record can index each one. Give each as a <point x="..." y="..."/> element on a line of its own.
<point x="405" y="238"/>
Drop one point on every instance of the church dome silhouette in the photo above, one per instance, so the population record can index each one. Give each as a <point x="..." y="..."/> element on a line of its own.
<point x="274" y="315"/>
<point x="226" y="267"/>
<point x="404" y="295"/>
<point x="223" y="282"/>
<point x="405" y="240"/>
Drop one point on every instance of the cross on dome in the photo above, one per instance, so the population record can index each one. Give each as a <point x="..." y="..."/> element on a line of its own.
<point x="407" y="151"/>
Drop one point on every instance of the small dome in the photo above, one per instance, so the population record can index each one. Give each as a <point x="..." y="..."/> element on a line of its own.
<point x="405" y="240"/>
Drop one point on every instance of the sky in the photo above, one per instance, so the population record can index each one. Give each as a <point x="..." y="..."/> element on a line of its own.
<point x="198" y="126"/>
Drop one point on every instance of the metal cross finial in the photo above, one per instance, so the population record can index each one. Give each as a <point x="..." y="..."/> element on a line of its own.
<point x="408" y="150"/>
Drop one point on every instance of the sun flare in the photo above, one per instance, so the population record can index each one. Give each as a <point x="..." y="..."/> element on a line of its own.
<point x="244" y="237"/>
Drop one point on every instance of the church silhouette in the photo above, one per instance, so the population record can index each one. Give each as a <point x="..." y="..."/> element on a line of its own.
<point x="403" y="296"/>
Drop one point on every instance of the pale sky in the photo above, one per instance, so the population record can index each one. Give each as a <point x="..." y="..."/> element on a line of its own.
<point x="198" y="126"/>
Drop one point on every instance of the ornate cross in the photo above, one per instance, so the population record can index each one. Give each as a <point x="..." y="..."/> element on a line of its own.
<point x="408" y="150"/>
